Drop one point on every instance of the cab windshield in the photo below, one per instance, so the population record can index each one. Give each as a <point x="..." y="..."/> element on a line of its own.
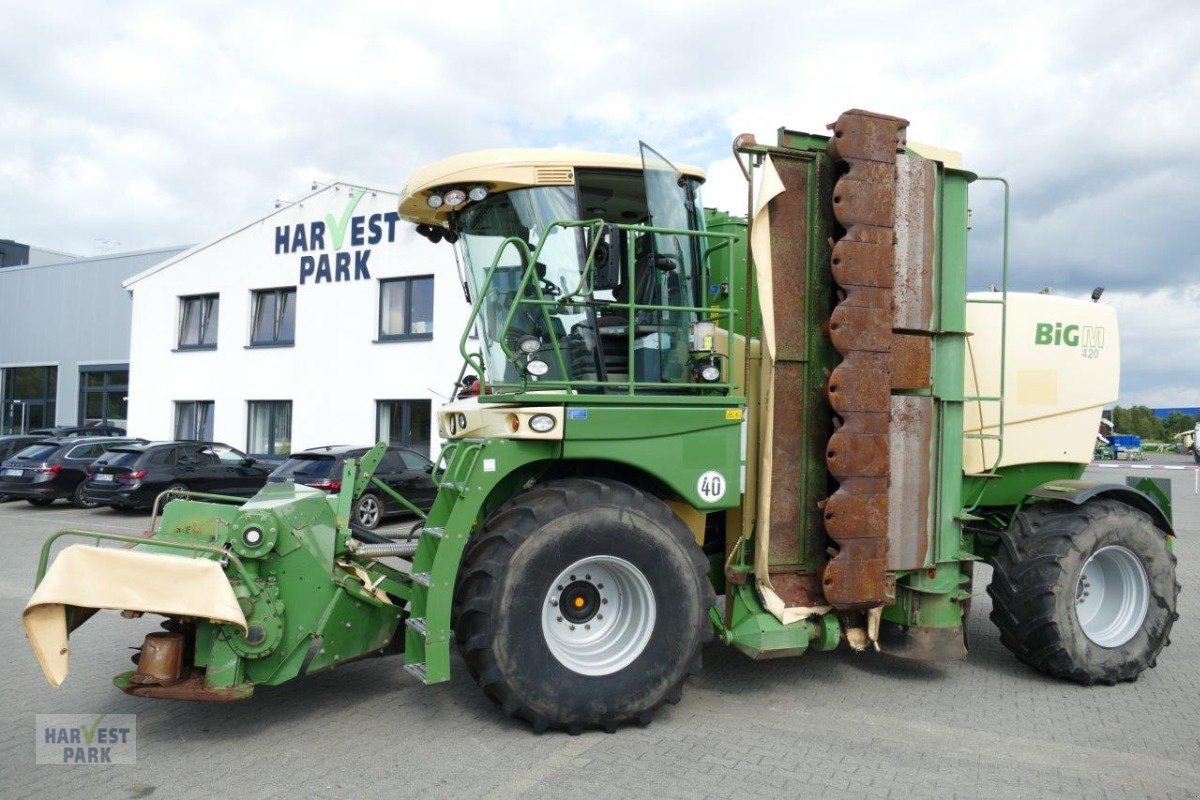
<point x="572" y="317"/>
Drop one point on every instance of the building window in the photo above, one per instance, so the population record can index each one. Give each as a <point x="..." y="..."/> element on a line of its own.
<point x="29" y="398"/>
<point x="274" y="323"/>
<point x="404" y="422"/>
<point x="194" y="420"/>
<point x="270" y="428"/>
<point x="198" y="322"/>
<point x="406" y="309"/>
<point x="104" y="395"/>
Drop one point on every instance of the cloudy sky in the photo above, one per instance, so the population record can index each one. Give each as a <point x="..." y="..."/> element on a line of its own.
<point x="148" y="125"/>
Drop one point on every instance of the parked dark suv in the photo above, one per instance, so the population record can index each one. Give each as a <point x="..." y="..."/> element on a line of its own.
<point x="133" y="475"/>
<point x="9" y="445"/>
<point x="73" y="431"/>
<point x="54" y="468"/>
<point x="406" y="471"/>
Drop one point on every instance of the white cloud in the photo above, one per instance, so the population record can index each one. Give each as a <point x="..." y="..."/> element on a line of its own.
<point x="158" y="124"/>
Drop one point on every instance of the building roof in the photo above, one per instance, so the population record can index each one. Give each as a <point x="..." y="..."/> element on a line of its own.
<point x="279" y="209"/>
<point x="72" y="261"/>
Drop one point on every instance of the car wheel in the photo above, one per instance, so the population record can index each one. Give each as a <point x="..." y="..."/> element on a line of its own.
<point x="79" y="501"/>
<point x="368" y="511"/>
<point x="39" y="501"/>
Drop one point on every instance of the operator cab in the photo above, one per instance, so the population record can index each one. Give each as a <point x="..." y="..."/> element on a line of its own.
<point x="586" y="270"/>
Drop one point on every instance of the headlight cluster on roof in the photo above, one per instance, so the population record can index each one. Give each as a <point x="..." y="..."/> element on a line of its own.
<point x="455" y="197"/>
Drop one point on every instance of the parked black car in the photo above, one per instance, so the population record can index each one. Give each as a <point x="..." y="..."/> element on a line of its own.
<point x="131" y="476"/>
<point x="73" y="431"/>
<point x="406" y="471"/>
<point x="50" y="469"/>
<point x="9" y="445"/>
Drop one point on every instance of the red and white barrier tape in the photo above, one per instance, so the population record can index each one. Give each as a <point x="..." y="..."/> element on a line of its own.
<point x="1180" y="467"/>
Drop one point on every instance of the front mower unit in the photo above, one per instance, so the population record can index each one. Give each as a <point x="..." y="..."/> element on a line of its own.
<point x="308" y="603"/>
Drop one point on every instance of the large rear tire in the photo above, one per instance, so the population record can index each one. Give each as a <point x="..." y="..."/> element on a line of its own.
<point x="583" y="604"/>
<point x="1085" y="593"/>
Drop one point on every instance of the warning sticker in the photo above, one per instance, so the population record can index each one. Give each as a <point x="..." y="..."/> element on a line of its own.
<point x="711" y="486"/>
<point x="733" y="413"/>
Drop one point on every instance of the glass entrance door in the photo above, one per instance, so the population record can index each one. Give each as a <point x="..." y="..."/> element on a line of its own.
<point x="29" y="398"/>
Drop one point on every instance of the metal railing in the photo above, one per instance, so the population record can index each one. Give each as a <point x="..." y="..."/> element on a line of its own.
<point x="581" y="296"/>
<point x="979" y="399"/>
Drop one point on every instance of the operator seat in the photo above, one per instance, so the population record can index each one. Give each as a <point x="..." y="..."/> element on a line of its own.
<point x="649" y="269"/>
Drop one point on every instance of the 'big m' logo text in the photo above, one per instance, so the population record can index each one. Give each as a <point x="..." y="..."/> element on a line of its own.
<point x="1089" y="338"/>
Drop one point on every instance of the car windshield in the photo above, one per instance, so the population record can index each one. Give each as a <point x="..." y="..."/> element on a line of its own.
<point x="37" y="452"/>
<point x="306" y="467"/>
<point x="118" y="458"/>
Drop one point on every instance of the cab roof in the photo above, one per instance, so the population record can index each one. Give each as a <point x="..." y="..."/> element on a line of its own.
<point x="504" y="169"/>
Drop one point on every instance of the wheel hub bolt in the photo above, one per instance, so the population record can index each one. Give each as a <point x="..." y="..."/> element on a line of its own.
<point x="604" y="600"/>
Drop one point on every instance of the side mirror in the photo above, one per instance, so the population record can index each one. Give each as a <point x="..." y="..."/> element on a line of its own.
<point x="429" y="468"/>
<point x="606" y="263"/>
<point x="249" y="462"/>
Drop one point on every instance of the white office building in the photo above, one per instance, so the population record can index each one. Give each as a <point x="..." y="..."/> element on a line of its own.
<point x="327" y="321"/>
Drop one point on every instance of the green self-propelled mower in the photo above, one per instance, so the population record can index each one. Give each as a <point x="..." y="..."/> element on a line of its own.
<point x="674" y="426"/>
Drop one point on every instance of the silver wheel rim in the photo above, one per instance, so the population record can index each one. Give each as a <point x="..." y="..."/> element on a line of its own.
<point x="613" y="625"/>
<point x="368" y="511"/>
<point x="1112" y="596"/>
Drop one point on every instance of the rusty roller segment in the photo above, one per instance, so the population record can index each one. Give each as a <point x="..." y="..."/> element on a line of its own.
<point x="860" y="328"/>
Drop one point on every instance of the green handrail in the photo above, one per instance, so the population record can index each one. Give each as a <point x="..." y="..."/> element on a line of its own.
<point x="999" y="400"/>
<point x="587" y="277"/>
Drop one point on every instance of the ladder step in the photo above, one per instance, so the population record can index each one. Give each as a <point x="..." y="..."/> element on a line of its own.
<point x="422" y="578"/>
<point x="417" y="670"/>
<point x="417" y="624"/>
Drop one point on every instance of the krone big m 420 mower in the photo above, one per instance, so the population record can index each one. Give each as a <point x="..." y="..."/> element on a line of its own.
<point x="803" y="412"/>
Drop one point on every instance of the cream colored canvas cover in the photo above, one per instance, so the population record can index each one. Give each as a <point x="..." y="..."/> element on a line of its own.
<point x="124" y="580"/>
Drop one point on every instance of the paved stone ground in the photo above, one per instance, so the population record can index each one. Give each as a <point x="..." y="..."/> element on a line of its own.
<point x="826" y="725"/>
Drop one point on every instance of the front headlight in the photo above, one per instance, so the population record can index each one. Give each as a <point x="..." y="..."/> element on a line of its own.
<point x="541" y="423"/>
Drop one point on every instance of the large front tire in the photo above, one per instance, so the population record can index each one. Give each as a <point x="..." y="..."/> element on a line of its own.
<point x="1085" y="593"/>
<point x="583" y="604"/>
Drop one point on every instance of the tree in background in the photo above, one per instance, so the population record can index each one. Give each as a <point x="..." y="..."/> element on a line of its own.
<point x="1140" y="421"/>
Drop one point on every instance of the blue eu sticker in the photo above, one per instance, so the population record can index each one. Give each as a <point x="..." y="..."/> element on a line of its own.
<point x="577" y="413"/>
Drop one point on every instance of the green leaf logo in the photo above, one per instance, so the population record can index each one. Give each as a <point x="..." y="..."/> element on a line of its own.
<point x="90" y="733"/>
<point x="337" y="228"/>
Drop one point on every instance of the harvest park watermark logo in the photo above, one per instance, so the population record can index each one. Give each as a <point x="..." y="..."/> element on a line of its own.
<point x="86" y="739"/>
